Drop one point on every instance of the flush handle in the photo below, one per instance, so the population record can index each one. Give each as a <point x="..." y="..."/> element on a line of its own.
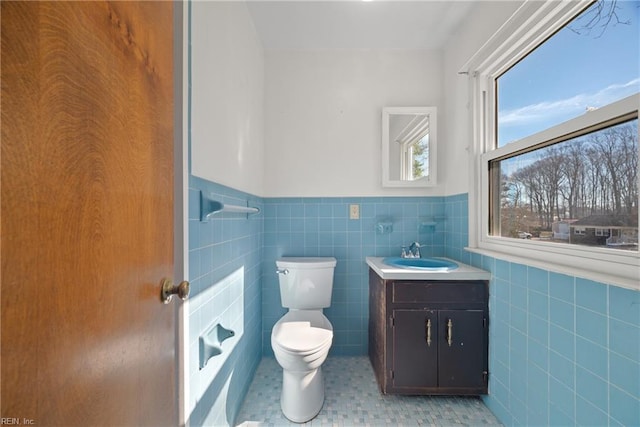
<point x="282" y="271"/>
<point x="169" y="290"/>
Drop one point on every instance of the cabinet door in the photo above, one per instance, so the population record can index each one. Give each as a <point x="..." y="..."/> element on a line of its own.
<point x="461" y="348"/>
<point x="415" y="343"/>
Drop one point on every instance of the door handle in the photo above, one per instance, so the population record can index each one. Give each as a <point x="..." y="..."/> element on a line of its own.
<point x="428" y="326"/>
<point x="449" y="332"/>
<point x="169" y="290"/>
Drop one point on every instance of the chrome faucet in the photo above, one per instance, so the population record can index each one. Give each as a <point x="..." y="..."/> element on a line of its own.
<point x="413" y="252"/>
<point x="415" y="249"/>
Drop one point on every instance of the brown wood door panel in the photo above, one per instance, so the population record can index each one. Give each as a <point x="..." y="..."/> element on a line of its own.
<point x="87" y="217"/>
<point x="415" y="362"/>
<point x="462" y="363"/>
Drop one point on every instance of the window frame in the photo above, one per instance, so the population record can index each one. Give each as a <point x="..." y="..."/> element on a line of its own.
<point x="532" y="24"/>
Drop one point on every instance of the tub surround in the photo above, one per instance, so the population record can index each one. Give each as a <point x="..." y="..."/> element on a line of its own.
<point x="463" y="272"/>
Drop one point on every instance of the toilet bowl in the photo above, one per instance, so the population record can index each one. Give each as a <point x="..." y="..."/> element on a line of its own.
<point x="301" y="339"/>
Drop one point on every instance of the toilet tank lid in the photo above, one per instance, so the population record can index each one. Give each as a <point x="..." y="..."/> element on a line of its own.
<point x="306" y="262"/>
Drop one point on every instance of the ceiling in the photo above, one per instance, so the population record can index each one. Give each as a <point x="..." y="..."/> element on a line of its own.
<point x="342" y="24"/>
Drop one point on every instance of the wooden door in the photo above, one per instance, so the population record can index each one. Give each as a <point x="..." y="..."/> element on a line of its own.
<point x="87" y="217"/>
<point x="415" y="349"/>
<point x="462" y="348"/>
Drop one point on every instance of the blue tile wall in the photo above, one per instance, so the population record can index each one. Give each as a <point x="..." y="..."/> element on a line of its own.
<point x="321" y="227"/>
<point x="217" y="249"/>
<point x="563" y="350"/>
<point x="456" y="210"/>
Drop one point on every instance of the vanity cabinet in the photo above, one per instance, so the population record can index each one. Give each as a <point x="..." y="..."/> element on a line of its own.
<point x="429" y="337"/>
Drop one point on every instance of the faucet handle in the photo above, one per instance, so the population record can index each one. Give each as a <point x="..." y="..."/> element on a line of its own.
<point x="404" y="252"/>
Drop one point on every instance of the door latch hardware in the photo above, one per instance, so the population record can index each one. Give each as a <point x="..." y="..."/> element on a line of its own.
<point x="169" y="290"/>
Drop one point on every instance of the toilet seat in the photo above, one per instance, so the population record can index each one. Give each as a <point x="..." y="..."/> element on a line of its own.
<point x="302" y="332"/>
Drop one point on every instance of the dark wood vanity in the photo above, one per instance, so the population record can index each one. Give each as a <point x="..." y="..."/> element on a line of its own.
<point x="429" y="336"/>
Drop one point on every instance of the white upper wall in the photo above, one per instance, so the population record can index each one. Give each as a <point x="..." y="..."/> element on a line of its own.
<point x="227" y="104"/>
<point x="455" y="121"/>
<point x="307" y="123"/>
<point x="323" y="117"/>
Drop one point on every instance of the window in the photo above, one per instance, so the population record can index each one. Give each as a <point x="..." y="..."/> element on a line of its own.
<point x="589" y="179"/>
<point x="415" y="158"/>
<point x="556" y="128"/>
<point x="590" y="62"/>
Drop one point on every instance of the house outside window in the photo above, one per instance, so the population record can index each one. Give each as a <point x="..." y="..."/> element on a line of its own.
<point x="556" y="136"/>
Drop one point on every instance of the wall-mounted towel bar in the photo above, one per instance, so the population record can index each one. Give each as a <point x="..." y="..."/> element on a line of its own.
<point x="209" y="207"/>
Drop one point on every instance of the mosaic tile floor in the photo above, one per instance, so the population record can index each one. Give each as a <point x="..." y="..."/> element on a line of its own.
<point x="352" y="398"/>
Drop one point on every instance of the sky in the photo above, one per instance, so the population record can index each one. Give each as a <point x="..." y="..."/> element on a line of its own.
<point x="571" y="73"/>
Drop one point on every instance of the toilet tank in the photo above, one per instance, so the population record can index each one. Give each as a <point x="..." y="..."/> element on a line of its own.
<point x="306" y="283"/>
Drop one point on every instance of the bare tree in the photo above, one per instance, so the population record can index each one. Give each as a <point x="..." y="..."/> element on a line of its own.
<point x="552" y="177"/>
<point x="628" y="153"/>
<point x="595" y="174"/>
<point x="597" y="19"/>
<point x="612" y="148"/>
<point x="572" y="169"/>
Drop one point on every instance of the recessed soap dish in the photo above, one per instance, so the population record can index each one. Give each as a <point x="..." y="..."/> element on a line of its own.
<point x="211" y="342"/>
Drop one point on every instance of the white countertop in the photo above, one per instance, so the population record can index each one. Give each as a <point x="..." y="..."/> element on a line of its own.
<point x="463" y="272"/>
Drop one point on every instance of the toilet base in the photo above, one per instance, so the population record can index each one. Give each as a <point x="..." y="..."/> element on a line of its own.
<point x="302" y="395"/>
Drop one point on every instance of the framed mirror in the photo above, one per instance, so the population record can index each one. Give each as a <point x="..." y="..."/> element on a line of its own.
<point x="409" y="146"/>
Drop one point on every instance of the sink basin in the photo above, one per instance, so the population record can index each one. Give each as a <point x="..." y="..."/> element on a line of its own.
<point x="429" y="264"/>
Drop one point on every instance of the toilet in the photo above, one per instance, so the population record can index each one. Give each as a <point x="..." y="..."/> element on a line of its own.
<point x="302" y="337"/>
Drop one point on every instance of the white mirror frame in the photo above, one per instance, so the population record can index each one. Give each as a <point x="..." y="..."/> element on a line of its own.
<point x="428" y="181"/>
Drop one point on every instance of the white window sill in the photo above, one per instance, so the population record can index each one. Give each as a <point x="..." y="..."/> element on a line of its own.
<point x="594" y="266"/>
